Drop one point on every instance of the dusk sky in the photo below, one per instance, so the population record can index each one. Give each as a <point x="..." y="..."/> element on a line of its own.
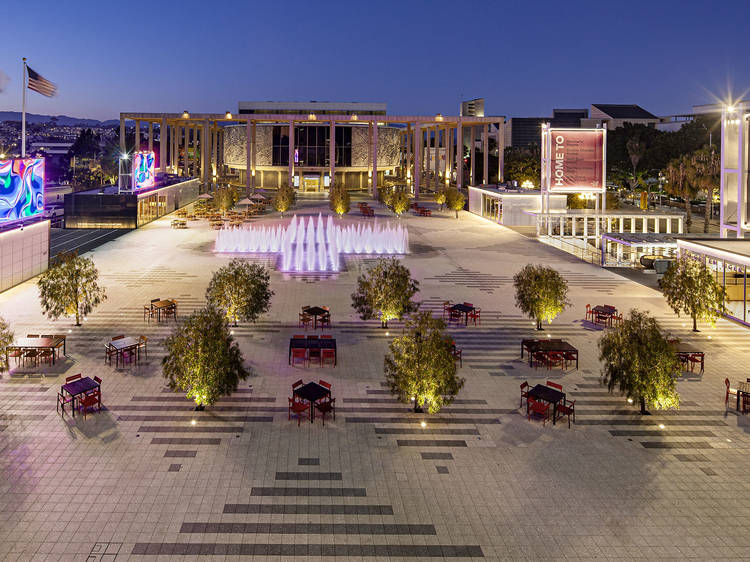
<point x="421" y="57"/>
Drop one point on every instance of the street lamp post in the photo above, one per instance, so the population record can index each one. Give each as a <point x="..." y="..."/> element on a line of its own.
<point x="124" y="156"/>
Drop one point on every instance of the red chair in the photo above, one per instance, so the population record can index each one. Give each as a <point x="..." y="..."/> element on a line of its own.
<point x="109" y="353"/>
<point x="570" y="357"/>
<point x="524" y="392"/>
<point x="97" y="392"/>
<point x="458" y="355"/>
<point x="296" y="385"/>
<point x="589" y="312"/>
<point x="695" y="359"/>
<point x="476" y="315"/>
<point x="455" y="315"/>
<point x="538" y="407"/>
<point x="325" y="385"/>
<point x="447" y="308"/>
<point x="299" y="409"/>
<point x="555" y="358"/>
<point x="567" y="409"/>
<point x="730" y="391"/>
<point x="324" y="321"/>
<point x="88" y="401"/>
<point x="326" y="337"/>
<point x="72" y="378"/>
<point x="63" y="399"/>
<point x="327" y="356"/>
<point x="305" y="321"/>
<point x="554" y="385"/>
<point x="299" y="354"/>
<point x="326" y="406"/>
<point x="298" y="337"/>
<point x="540" y="357"/>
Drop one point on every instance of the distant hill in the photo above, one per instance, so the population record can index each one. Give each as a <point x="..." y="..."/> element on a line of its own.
<point x="61" y="119"/>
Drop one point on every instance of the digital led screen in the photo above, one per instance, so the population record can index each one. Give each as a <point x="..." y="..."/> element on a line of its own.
<point x="21" y="188"/>
<point x="143" y="170"/>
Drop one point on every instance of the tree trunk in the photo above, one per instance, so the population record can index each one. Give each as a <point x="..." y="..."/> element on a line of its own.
<point x="417" y="408"/>
<point x="689" y="215"/>
<point x="709" y="203"/>
<point x="695" y="324"/>
<point x="539" y="325"/>
<point x="644" y="412"/>
<point x="456" y="213"/>
<point x="383" y="324"/>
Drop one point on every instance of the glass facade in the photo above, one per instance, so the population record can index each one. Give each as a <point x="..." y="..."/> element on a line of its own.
<point x="492" y="207"/>
<point x="312" y="145"/>
<point x="733" y="277"/>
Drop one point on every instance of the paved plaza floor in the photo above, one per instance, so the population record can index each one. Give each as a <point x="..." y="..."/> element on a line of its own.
<point x="150" y="479"/>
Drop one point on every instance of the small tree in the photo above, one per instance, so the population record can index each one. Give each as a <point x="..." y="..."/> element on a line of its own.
<point x="203" y="358"/>
<point x="640" y="361"/>
<point x="226" y="197"/>
<point x="385" y="195"/>
<point x="440" y="198"/>
<point x="454" y="199"/>
<point x="70" y="287"/>
<point x="690" y="288"/>
<point x="400" y="203"/>
<point x="339" y="200"/>
<point x="421" y="366"/>
<point x="385" y="292"/>
<point x="285" y="199"/>
<point x="6" y="339"/>
<point x="241" y="290"/>
<point x="541" y="293"/>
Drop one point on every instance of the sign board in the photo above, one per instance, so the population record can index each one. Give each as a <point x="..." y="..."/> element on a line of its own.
<point x="142" y="176"/>
<point x="573" y="160"/>
<point x="21" y="188"/>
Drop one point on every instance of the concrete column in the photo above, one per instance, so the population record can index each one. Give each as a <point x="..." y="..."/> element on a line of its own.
<point x="215" y="150"/>
<point x="205" y="155"/>
<point x="436" y="167"/>
<point x="585" y="230"/>
<point x="332" y="152"/>
<point x="449" y="155"/>
<point x="163" y="136"/>
<point x="459" y="154"/>
<point x="417" y="136"/>
<point x="253" y="163"/>
<point x="137" y="145"/>
<point x="291" y="153"/>
<point x="485" y="153"/>
<point x="472" y="155"/>
<point x="375" y="158"/>
<point x="409" y="140"/>
<point x="248" y="156"/>
<point x="150" y="136"/>
<point x="500" y="152"/>
<point x="369" y="157"/>
<point x="122" y="135"/>
<point x="172" y="145"/>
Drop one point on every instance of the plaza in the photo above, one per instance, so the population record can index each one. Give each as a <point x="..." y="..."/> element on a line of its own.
<point x="149" y="478"/>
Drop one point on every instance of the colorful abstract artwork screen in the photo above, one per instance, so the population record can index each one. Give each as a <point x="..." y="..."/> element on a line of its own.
<point x="143" y="170"/>
<point x="21" y="188"/>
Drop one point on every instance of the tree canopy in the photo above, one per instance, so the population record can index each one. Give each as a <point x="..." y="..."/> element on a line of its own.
<point x="690" y="288"/>
<point x="284" y="200"/>
<point x="339" y="200"/>
<point x="541" y="293"/>
<point x="70" y="287"/>
<point x="385" y="292"/>
<point x="399" y="202"/>
<point x="454" y="199"/>
<point x="639" y="361"/>
<point x="6" y="339"/>
<point x="203" y="359"/>
<point x="420" y="365"/>
<point x="523" y="164"/>
<point x="241" y="290"/>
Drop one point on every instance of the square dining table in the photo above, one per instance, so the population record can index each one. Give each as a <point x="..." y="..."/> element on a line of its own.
<point x="23" y="344"/>
<point x="81" y="386"/>
<point x="123" y="345"/>
<point x="464" y="309"/>
<point x="312" y="392"/>
<point x="545" y="393"/>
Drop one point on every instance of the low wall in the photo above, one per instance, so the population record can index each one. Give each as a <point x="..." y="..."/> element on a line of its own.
<point x="24" y="253"/>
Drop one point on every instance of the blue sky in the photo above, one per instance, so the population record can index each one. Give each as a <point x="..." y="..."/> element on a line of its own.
<point x="419" y="57"/>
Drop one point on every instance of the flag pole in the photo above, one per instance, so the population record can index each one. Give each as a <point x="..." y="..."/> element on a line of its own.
<point x="23" y="111"/>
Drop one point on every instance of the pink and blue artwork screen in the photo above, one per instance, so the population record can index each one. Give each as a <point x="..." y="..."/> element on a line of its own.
<point x="143" y="170"/>
<point x="21" y="188"/>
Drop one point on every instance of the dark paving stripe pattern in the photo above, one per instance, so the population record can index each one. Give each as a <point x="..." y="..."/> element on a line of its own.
<point x="308" y="492"/>
<point x="308" y="476"/>
<point x="185" y="441"/>
<point x="431" y="443"/>
<point x="429" y="455"/>
<point x="307" y="550"/>
<point x="309" y="528"/>
<point x="308" y="509"/>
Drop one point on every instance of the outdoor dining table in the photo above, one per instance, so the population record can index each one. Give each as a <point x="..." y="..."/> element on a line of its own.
<point x="304" y="343"/>
<point x="312" y="392"/>
<point x="685" y="350"/>
<point x="547" y="346"/>
<point x="81" y="386"/>
<point x="164" y="305"/>
<point x="316" y="311"/>
<point x="23" y="344"/>
<point x="604" y="311"/>
<point x="125" y="345"/>
<point x="546" y="394"/>
<point x="464" y="309"/>
<point x="743" y="392"/>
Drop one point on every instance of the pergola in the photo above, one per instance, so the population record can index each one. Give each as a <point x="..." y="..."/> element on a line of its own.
<point x="420" y="135"/>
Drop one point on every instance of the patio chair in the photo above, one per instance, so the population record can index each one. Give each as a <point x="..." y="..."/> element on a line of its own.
<point x="32" y="355"/>
<point x="297" y="384"/>
<point x="298" y="337"/>
<point x="455" y="315"/>
<point x="62" y="400"/>
<point x="554" y="385"/>
<point x="326" y="336"/>
<point x="326" y="406"/>
<point x="32" y="335"/>
<point x="72" y="378"/>
<point x="46" y="354"/>
<point x="695" y="359"/>
<point x="148" y="312"/>
<point x="555" y="358"/>
<point x="539" y="408"/>
<point x="143" y="344"/>
<point x="121" y="336"/>
<point x="447" y="308"/>
<point x="476" y="315"/>
<point x="730" y="392"/>
<point x="88" y="401"/>
<point x="524" y="392"/>
<point x="324" y="321"/>
<point x="16" y="354"/>
<point x="299" y="409"/>
<point x="589" y="312"/>
<point x="468" y="304"/>
<point x="325" y="385"/>
<point x="539" y="357"/>
<point x="314" y="353"/>
<point x="570" y="357"/>
<point x="567" y="409"/>
<point x="305" y="320"/>
<point x="61" y="344"/>
<point x="327" y="356"/>
<point x="312" y="337"/>
<point x="299" y="354"/>
<point x="109" y="352"/>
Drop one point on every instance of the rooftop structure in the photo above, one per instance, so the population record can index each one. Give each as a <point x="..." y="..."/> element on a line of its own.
<point x="315" y="107"/>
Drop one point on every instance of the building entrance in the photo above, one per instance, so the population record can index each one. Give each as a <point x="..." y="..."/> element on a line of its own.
<point x="311" y="181"/>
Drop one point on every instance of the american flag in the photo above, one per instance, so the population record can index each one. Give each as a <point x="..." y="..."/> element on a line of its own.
<point x="40" y="84"/>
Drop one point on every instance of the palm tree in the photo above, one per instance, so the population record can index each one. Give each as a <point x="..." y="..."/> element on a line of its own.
<point x="704" y="174"/>
<point x="678" y="184"/>
<point x="636" y="149"/>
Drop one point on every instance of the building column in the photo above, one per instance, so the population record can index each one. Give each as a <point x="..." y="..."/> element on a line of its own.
<point x="485" y="153"/>
<point x="375" y="158"/>
<point x="501" y="151"/>
<point x="248" y="156"/>
<point x="472" y="154"/>
<point x="459" y="154"/>
<point x="122" y="135"/>
<point x="137" y="145"/>
<point x="291" y="154"/>
<point x="150" y="136"/>
<point x="437" y="158"/>
<point x="163" y="136"/>
<point x="409" y="141"/>
<point x="449" y="156"/>
<point x="215" y="150"/>
<point x="252" y="154"/>
<point x="205" y="155"/>
<point x="332" y="153"/>
<point x="172" y="144"/>
<point x="417" y="136"/>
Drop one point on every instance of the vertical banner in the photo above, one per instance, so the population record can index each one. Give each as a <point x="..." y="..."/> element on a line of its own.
<point x="573" y="160"/>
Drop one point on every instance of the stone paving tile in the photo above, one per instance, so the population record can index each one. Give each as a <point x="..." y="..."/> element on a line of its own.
<point x="517" y="490"/>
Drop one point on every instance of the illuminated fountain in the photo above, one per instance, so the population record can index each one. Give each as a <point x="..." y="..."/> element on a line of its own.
<point x="310" y="245"/>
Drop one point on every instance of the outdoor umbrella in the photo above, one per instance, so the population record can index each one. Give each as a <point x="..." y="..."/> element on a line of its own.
<point x="257" y="197"/>
<point x="205" y="196"/>
<point x="244" y="201"/>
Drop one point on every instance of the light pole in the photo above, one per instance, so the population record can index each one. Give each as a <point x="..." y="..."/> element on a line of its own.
<point x="124" y="156"/>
